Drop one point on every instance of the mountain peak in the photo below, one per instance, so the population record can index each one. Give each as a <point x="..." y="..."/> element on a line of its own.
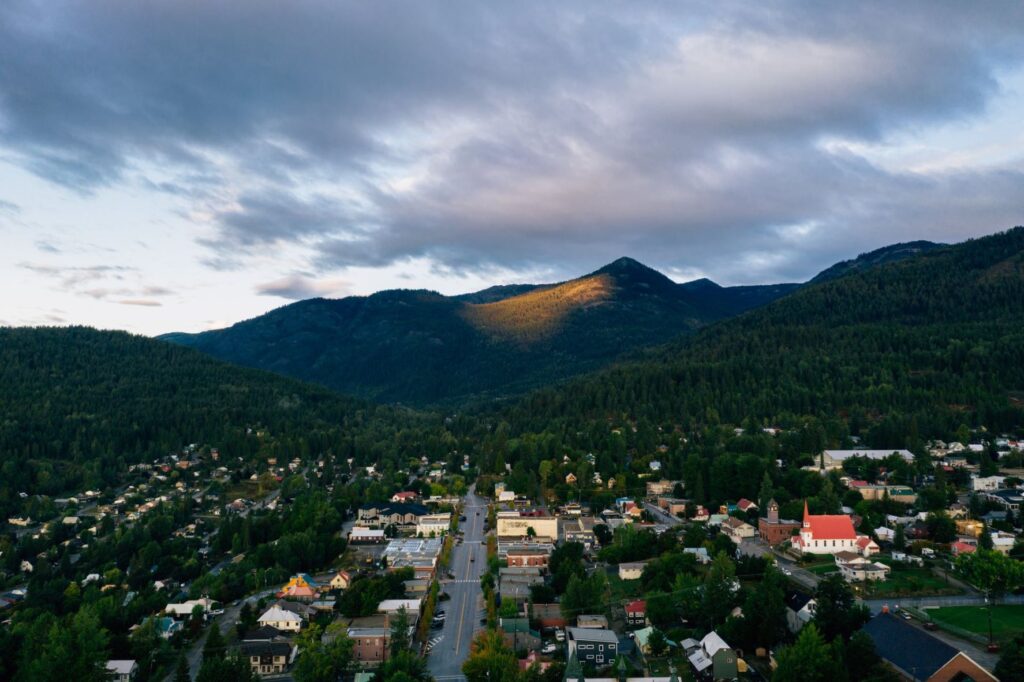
<point x="625" y="264"/>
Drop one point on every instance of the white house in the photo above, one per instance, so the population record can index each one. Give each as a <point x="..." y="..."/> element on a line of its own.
<point x="282" y="619"/>
<point x="631" y="570"/>
<point x="122" y="670"/>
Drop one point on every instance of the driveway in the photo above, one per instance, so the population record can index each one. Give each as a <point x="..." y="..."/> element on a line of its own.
<point x="449" y="646"/>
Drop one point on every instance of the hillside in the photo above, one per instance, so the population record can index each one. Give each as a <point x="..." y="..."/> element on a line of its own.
<point x="917" y="346"/>
<point x="422" y="348"/>
<point x="77" y="405"/>
<point x="865" y="261"/>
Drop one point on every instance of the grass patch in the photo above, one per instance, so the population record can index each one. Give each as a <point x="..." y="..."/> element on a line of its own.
<point x="622" y="590"/>
<point x="909" y="582"/>
<point x="1007" y="619"/>
<point x="822" y="569"/>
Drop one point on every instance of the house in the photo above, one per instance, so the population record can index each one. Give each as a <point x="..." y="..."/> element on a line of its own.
<point x="570" y="478"/>
<point x="745" y="505"/>
<point x="369" y="645"/>
<point x="406" y="496"/>
<point x="1003" y="542"/>
<point x="281" y="619"/>
<point x="715" y="654"/>
<point x="737" y="530"/>
<point x="855" y="568"/>
<point x="987" y="483"/>
<point x="167" y="627"/>
<point x="185" y="609"/>
<point x="662" y="487"/>
<point x="636" y="612"/>
<point x="918" y="655"/>
<point x="122" y="670"/>
<point x="631" y="570"/>
<point x="266" y="658"/>
<point x="341" y="580"/>
<point x="963" y="547"/>
<point x="799" y="610"/>
<point x="597" y="647"/>
<point x="1007" y="499"/>
<point x="517" y="634"/>
<point x="831" y="533"/>
<point x="700" y="552"/>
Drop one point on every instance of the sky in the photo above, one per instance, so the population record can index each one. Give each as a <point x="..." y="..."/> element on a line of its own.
<point x="179" y="165"/>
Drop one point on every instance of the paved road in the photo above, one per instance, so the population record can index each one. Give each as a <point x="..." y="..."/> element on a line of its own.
<point x="662" y="515"/>
<point x="801" y="576"/>
<point x="450" y="645"/>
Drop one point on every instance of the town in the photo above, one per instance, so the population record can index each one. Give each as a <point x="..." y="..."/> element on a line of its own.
<point x="906" y="564"/>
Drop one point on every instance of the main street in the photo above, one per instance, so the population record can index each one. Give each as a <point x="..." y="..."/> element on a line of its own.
<point x="450" y="645"/>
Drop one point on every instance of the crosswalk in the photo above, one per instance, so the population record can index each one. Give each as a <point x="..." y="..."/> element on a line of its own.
<point x="431" y="643"/>
<point x="449" y="582"/>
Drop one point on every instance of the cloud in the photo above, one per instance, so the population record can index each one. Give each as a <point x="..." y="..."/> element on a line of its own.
<point x="100" y="282"/>
<point x="299" y="287"/>
<point x="149" y="303"/>
<point x="713" y="136"/>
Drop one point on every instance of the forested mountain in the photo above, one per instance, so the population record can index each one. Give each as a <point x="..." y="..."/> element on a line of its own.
<point x="894" y="353"/>
<point x="77" y="405"/>
<point x="421" y="347"/>
<point x="865" y="261"/>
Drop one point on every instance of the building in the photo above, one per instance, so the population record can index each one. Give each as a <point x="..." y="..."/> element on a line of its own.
<point x="918" y="655"/>
<point x="897" y="493"/>
<point x="636" y="612"/>
<point x="405" y="496"/>
<point x="394" y="513"/>
<point x="392" y="607"/>
<point x="662" y="487"/>
<point x="631" y="570"/>
<point x="267" y="658"/>
<point x="1007" y="499"/>
<point x="528" y="557"/>
<point x="833" y="459"/>
<point x="773" y="530"/>
<point x="594" y="646"/>
<point x="433" y="525"/>
<point x="513" y="524"/>
<point x="855" y="568"/>
<point x="987" y="483"/>
<point x="592" y="620"/>
<point x="714" y="654"/>
<point x="341" y="580"/>
<point x="799" y="610"/>
<point x="517" y="634"/>
<point x="548" y="615"/>
<point x="167" y="627"/>
<point x="185" y="608"/>
<point x="281" y="619"/>
<point x="579" y="529"/>
<point x="361" y="535"/>
<point x="737" y="530"/>
<point x="123" y="670"/>
<point x="831" y="533"/>
<point x="420" y="554"/>
<point x="300" y="587"/>
<point x="369" y="645"/>
<point x="1003" y="542"/>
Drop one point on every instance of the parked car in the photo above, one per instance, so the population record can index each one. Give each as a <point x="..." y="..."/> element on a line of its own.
<point x="560" y="635"/>
<point x="462" y="518"/>
<point x="444" y="596"/>
<point x="549" y="648"/>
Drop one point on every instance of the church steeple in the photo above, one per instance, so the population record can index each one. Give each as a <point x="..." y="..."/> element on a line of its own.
<point x="807" y="516"/>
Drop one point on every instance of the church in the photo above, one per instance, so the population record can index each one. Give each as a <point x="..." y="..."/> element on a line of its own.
<point x="831" y="533"/>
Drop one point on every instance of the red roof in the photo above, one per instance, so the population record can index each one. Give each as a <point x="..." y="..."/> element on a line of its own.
<point x="962" y="548"/>
<point x="638" y="606"/>
<point x="830" y="526"/>
<point x="407" y="495"/>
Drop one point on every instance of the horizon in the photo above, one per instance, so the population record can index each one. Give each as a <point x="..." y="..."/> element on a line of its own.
<point x="184" y="166"/>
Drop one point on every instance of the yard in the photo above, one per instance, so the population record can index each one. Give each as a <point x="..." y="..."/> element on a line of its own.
<point x="1007" y="619"/>
<point x="915" y="581"/>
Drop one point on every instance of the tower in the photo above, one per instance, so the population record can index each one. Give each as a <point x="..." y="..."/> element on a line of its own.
<point x="807" y="516"/>
<point x="773" y="511"/>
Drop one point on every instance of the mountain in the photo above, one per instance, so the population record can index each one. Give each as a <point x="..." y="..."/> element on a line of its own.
<point x="894" y="353"/>
<point x="865" y="261"/>
<point x="421" y="347"/>
<point x="77" y="405"/>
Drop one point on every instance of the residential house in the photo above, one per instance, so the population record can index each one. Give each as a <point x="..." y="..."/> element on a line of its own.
<point x="594" y="646"/>
<point x="737" y="530"/>
<point x="831" y="533"/>
<point x="714" y="654"/>
<point x="405" y="496"/>
<point x="662" y="487"/>
<point x="987" y="483"/>
<point x="631" y="570"/>
<point x="341" y="580"/>
<point x="700" y="552"/>
<point x="267" y="658"/>
<point x="963" y="546"/>
<point x="856" y="568"/>
<point x="186" y="608"/>
<point x="281" y="619"/>
<point x="799" y="610"/>
<point x="1003" y="542"/>
<point x="369" y="645"/>
<point x="919" y="655"/>
<point x="636" y="612"/>
<point x="570" y="478"/>
<point x="167" y="627"/>
<point x="122" y="670"/>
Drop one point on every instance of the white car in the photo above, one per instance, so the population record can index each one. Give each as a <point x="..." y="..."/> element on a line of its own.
<point x="549" y="648"/>
<point x="560" y="635"/>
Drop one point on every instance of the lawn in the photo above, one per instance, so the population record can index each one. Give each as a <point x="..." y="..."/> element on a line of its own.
<point x="1007" y="619"/>
<point x="906" y="582"/>
<point x="822" y="569"/>
<point x="622" y="590"/>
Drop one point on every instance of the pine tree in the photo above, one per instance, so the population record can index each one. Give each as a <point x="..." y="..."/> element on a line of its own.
<point x="214" y="645"/>
<point x="182" y="672"/>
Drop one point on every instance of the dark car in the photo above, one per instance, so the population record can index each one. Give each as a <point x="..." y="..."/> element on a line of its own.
<point x="444" y="596"/>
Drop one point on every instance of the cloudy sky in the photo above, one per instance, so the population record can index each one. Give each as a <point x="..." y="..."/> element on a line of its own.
<point x="180" y="165"/>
